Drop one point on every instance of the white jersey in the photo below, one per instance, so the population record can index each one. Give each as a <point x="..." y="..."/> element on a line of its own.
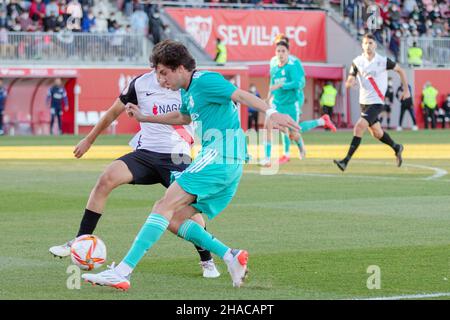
<point x="372" y="76"/>
<point x="152" y="99"/>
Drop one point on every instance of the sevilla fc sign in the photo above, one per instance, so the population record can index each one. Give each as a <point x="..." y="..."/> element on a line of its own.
<point x="249" y="34"/>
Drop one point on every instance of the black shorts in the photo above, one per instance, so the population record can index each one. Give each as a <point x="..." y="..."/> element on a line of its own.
<point x="387" y="108"/>
<point x="370" y="112"/>
<point x="148" y="167"/>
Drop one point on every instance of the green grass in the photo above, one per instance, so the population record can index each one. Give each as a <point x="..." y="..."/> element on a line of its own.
<point x="311" y="231"/>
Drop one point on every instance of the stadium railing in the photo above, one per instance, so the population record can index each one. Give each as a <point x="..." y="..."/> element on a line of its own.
<point x="69" y="47"/>
<point x="436" y="51"/>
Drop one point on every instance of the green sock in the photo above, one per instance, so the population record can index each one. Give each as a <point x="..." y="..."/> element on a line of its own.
<point x="309" y="125"/>
<point x="287" y="144"/>
<point x="149" y="234"/>
<point x="268" y="149"/>
<point x="300" y="143"/>
<point x="193" y="232"/>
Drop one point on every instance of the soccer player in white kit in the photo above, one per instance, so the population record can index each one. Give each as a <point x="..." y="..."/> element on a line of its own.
<point x="159" y="151"/>
<point x="370" y="69"/>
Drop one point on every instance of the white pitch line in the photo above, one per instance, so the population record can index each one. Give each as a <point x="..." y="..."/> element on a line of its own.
<point x="438" y="173"/>
<point x="409" y="296"/>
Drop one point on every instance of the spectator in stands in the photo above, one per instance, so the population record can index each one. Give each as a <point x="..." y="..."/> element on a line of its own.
<point x="139" y="21"/>
<point x="37" y="11"/>
<point x="155" y="24"/>
<point x="56" y="99"/>
<point x="14" y="9"/>
<point x="111" y="21"/>
<point x="25" y="22"/>
<point x="3" y="94"/>
<point x="101" y="24"/>
<point x="52" y="7"/>
<point x="127" y="7"/>
<point x="394" y="44"/>
<point x="88" y="21"/>
<point x="5" y="21"/>
<point x="75" y="11"/>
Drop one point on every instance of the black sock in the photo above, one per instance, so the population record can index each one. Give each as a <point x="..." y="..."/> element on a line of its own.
<point x="388" y="140"/>
<point x="353" y="146"/>
<point x="205" y="255"/>
<point x="89" y="222"/>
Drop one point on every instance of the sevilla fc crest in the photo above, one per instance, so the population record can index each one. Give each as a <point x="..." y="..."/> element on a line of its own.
<point x="199" y="28"/>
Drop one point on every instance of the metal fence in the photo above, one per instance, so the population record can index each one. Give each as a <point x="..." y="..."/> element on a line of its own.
<point x="72" y="48"/>
<point x="436" y="51"/>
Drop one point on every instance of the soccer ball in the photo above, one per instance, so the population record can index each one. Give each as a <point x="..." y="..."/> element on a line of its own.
<point x="88" y="252"/>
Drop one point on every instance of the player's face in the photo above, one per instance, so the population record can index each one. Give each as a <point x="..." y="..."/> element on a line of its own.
<point x="282" y="54"/>
<point x="369" y="46"/>
<point x="168" y="78"/>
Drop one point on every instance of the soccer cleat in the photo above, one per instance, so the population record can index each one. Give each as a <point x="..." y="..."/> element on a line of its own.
<point x="237" y="267"/>
<point x="284" y="159"/>
<point x="341" y="164"/>
<point x="109" y="278"/>
<point x="328" y="123"/>
<point x="399" y="128"/>
<point x="265" y="163"/>
<point x="398" y="154"/>
<point x="414" y="128"/>
<point x="209" y="269"/>
<point x="61" y="251"/>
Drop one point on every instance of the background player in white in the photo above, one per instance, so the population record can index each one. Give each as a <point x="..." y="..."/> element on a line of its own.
<point x="370" y="69"/>
<point x="159" y="151"/>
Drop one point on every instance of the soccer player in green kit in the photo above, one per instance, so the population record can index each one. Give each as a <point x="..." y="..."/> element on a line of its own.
<point x="287" y="80"/>
<point x="211" y="180"/>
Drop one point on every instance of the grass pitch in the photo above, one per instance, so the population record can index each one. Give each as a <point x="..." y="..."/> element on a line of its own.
<point x="311" y="231"/>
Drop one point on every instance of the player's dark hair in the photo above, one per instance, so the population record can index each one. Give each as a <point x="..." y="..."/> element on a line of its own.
<point x="283" y="43"/>
<point x="369" y="36"/>
<point x="172" y="54"/>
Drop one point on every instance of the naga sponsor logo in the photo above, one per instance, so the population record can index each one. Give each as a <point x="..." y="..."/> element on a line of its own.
<point x="165" y="108"/>
<point x="237" y="35"/>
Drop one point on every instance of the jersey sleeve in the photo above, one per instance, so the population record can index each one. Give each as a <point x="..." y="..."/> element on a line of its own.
<point x="390" y="65"/>
<point x="216" y="89"/>
<point x="353" y="70"/>
<point x="129" y="93"/>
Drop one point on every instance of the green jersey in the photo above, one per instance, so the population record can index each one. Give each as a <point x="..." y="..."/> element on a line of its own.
<point x="216" y="118"/>
<point x="300" y="74"/>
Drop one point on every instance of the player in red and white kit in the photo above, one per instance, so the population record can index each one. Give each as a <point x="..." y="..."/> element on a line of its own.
<point x="370" y="69"/>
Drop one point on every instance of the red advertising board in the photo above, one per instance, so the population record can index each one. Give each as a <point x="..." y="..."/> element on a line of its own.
<point x="249" y="34"/>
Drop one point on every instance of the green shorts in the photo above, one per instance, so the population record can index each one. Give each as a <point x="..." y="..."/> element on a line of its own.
<point x="212" y="180"/>
<point x="292" y="110"/>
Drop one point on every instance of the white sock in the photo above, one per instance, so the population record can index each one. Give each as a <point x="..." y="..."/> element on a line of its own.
<point x="321" y="122"/>
<point x="123" y="269"/>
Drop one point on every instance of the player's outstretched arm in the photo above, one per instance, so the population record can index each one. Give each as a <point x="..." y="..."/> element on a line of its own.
<point x="172" y="118"/>
<point x="106" y="120"/>
<point x="279" y="119"/>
